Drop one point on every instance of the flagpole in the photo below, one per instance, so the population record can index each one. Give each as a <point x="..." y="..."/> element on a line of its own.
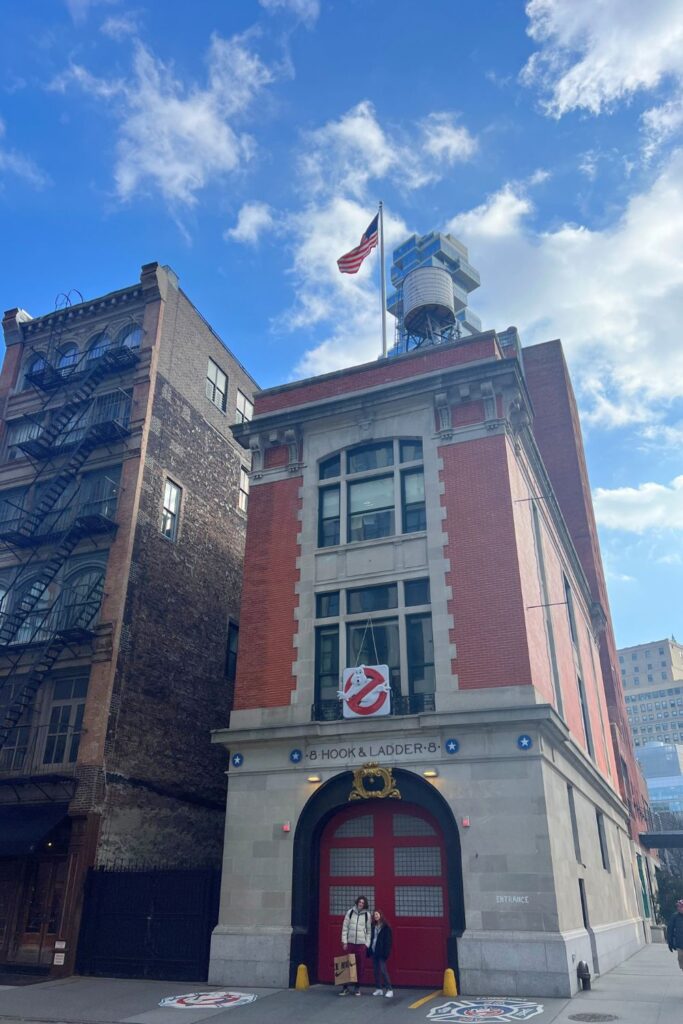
<point x="383" y="284"/>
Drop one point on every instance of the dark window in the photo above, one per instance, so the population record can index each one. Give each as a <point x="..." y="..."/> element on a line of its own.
<point x="171" y="510"/>
<point x="68" y="356"/>
<point x="570" y="609"/>
<point x="328" y="517"/>
<point x="216" y="386"/>
<point x="330" y="468"/>
<point x="326" y="662"/>
<point x="411" y="451"/>
<point x="574" y="823"/>
<point x="38" y="363"/>
<point x="245" y="408"/>
<point x="413" y="499"/>
<point x="420" y="654"/>
<point x="604" y="853"/>
<point x="98" y="346"/>
<point x="376" y="643"/>
<point x="584" y="904"/>
<point x="372" y="599"/>
<point x="585" y="717"/>
<point x="327" y="605"/>
<point x="416" y="592"/>
<point x="370" y="456"/>
<point x="371" y="508"/>
<point x="231" y="653"/>
<point x="131" y="337"/>
<point x="66" y="720"/>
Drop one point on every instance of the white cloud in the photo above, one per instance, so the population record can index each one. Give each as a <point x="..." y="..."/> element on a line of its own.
<point x="345" y="155"/>
<point x="649" y="506"/>
<point x="306" y="10"/>
<point x="14" y="163"/>
<point x="80" y="9"/>
<point x="446" y="140"/>
<point x="614" y="296"/>
<point x="662" y="123"/>
<point x="253" y="219"/>
<point x="120" y="26"/>
<point x="176" y="137"/>
<point x="594" y="53"/>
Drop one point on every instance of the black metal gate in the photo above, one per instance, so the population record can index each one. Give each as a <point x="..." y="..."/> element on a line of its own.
<point x="148" y="924"/>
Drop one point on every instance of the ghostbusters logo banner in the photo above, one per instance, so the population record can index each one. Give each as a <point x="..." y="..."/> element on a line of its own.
<point x="366" y="691"/>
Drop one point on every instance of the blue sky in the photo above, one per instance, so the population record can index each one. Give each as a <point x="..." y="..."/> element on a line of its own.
<point x="246" y="143"/>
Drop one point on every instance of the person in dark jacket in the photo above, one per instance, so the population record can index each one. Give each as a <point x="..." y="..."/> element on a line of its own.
<point x="674" y="933"/>
<point x="379" y="950"/>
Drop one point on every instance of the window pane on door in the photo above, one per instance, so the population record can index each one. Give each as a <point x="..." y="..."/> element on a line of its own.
<point x="359" y="860"/>
<point x="417" y="860"/>
<point x="410" y="825"/>
<point x="361" y="826"/>
<point x="342" y="897"/>
<point x="418" y="901"/>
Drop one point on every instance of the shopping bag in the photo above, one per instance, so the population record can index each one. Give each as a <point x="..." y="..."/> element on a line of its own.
<point x="345" y="969"/>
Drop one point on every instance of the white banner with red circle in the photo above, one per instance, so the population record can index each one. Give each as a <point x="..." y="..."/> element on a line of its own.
<point x="366" y="691"/>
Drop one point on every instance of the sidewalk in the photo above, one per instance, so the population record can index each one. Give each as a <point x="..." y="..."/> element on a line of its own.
<point x="647" y="989"/>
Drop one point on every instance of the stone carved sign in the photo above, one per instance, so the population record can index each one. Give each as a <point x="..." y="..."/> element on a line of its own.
<point x="384" y="751"/>
<point x="374" y="783"/>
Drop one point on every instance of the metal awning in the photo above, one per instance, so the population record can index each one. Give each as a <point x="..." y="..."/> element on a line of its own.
<point x="662" y="840"/>
<point x="22" y="826"/>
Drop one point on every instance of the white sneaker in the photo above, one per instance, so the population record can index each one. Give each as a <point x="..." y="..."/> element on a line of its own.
<point x="389" y="994"/>
<point x="378" y="992"/>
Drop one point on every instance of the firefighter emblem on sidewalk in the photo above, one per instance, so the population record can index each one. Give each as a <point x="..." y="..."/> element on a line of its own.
<point x="208" y="1000"/>
<point x="487" y="1011"/>
<point x="365" y="691"/>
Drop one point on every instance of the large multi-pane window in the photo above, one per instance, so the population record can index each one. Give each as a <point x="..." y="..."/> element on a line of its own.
<point x="170" y="516"/>
<point x="66" y="720"/>
<point x="379" y="492"/>
<point x="243" y="496"/>
<point x="387" y="624"/>
<point x="216" y="386"/>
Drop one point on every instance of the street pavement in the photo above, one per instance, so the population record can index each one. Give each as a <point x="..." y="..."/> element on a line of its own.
<point x="647" y="989"/>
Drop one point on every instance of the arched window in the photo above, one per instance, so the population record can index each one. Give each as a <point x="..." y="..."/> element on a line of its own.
<point x="35" y="625"/>
<point x="35" y="364"/>
<point x="131" y="336"/>
<point x="98" y="345"/>
<point x="68" y="356"/>
<point x="81" y="597"/>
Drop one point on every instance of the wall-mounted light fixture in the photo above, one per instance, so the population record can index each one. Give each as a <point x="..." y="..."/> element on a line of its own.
<point x="431" y="773"/>
<point x="314" y="778"/>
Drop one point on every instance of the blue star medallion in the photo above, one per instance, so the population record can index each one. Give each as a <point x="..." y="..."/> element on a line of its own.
<point x="525" y="742"/>
<point x="295" y="756"/>
<point x="452" y="746"/>
<point x="237" y="760"/>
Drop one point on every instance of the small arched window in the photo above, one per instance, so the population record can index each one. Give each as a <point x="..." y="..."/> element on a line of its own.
<point x="81" y="597"/>
<point x="131" y="336"/>
<point x="98" y="345"/>
<point x="68" y="356"/>
<point x="35" y="364"/>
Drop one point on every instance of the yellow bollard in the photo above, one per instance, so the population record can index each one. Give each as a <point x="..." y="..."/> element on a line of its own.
<point x="449" y="986"/>
<point x="302" y="982"/>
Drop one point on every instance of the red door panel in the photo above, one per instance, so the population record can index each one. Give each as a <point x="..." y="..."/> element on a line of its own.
<point x="393" y="853"/>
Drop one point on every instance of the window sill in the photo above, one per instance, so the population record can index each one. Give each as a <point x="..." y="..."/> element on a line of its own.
<point x="356" y="544"/>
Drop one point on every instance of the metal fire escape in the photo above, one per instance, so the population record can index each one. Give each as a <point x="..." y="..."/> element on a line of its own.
<point x="75" y="429"/>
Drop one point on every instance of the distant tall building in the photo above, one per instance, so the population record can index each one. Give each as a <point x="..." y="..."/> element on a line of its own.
<point x="122" y="523"/>
<point x="652" y="677"/>
<point x="451" y="288"/>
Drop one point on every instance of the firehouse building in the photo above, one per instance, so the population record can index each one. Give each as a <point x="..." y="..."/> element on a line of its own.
<point x="406" y="547"/>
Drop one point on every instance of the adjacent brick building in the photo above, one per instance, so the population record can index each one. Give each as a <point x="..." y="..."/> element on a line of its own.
<point x="430" y="513"/>
<point x="122" y="521"/>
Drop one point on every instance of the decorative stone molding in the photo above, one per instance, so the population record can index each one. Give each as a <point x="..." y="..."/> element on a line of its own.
<point x="256" y="456"/>
<point x="292" y="438"/>
<point x="443" y="412"/>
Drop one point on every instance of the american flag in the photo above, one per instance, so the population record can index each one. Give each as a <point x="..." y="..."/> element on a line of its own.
<point x="351" y="261"/>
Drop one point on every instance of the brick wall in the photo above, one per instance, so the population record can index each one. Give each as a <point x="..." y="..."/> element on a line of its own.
<point x="558" y="434"/>
<point x="264" y="677"/>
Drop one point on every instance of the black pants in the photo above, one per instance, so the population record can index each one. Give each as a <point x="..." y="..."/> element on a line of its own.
<point x="382" y="979"/>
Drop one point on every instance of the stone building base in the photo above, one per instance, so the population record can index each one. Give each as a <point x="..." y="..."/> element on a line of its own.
<point x="259" y="958"/>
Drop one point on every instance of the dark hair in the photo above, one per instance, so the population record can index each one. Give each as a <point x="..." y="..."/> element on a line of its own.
<point x="357" y="901"/>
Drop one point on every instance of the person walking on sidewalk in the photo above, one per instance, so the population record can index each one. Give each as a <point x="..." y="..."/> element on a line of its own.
<point x="356" y="938"/>
<point x="674" y="933"/>
<point x="380" y="948"/>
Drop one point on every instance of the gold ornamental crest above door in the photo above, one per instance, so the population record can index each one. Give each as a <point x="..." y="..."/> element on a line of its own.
<point x="371" y="782"/>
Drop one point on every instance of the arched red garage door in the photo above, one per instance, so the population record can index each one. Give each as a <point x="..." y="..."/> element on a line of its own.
<point x="393" y="853"/>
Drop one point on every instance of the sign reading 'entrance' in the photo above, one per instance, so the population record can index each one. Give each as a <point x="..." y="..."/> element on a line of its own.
<point x="382" y="750"/>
